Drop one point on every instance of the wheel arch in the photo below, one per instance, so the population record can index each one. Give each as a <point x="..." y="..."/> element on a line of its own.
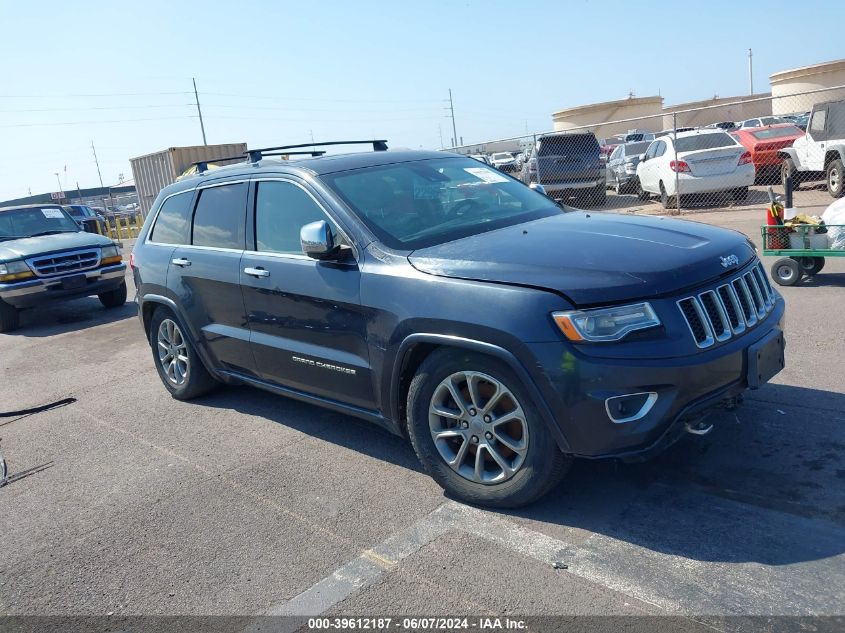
<point x="789" y="152"/>
<point x="832" y="153"/>
<point x="415" y="348"/>
<point x="151" y="302"/>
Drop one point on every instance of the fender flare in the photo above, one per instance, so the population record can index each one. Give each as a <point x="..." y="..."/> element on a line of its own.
<point x="789" y="152"/>
<point x="445" y="340"/>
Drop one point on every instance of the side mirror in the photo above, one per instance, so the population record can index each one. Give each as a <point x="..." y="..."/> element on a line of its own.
<point x="642" y="158"/>
<point x="317" y="240"/>
<point x="536" y="186"/>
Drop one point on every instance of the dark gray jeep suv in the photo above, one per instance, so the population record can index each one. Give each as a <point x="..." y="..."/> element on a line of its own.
<point x="447" y="302"/>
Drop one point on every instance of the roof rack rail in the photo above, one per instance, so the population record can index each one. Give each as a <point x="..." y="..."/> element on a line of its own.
<point x="255" y="155"/>
<point x="202" y="165"/>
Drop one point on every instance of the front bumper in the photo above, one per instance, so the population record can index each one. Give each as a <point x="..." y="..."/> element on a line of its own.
<point x="41" y="290"/>
<point x="576" y="388"/>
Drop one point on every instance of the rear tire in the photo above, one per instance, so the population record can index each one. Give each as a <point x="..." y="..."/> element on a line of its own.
<point x="810" y="265"/>
<point x="666" y="200"/>
<point x="532" y="470"/>
<point x="787" y="272"/>
<point x="598" y="196"/>
<point x="9" y="317"/>
<point x="187" y="378"/>
<point x="835" y="178"/>
<point x="740" y="194"/>
<point x="114" y="298"/>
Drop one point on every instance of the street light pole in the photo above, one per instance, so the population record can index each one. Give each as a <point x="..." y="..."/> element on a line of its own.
<point x="58" y="180"/>
<point x="750" y="74"/>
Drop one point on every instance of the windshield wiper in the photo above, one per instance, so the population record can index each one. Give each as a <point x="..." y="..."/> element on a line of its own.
<point x="53" y="232"/>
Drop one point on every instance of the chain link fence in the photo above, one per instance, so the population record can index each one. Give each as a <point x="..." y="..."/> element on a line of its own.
<point x="719" y="156"/>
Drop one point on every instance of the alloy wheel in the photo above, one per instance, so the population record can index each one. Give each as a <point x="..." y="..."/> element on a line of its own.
<point x="478" y="427"/>
<point x="833" y="179"/>
<point x="172" y="352"/>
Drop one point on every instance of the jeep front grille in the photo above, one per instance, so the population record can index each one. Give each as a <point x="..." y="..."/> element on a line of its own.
<point x="718" y="314"/>
<point x="63" y="263"/>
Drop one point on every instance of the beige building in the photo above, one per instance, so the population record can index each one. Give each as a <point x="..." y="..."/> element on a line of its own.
<point x="594" y="116"/>
<point x="718" y="109"/>
<point x="787" y="83"/>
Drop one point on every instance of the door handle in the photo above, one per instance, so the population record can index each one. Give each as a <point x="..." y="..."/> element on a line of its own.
<point x="257" y="272"/>
<point x="180" y="261"/>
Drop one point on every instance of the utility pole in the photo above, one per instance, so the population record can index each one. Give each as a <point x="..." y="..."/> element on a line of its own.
<point x="58" y="180"/>
<point x="452" y="109"/>
<point x="750" y="74"/>
<point x="440" y="130"/>
<point x="199" y="111"/>
<point x="97" y="163"/>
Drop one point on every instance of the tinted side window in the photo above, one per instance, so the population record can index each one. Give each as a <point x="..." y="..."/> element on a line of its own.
<point x="651" y="149"/>
<point x="219" y="216"/>
<point x="836" y="124"/>
<point x="281" y="210"/>
<point x="660" y="149"/>
<point x="174" y="220"/>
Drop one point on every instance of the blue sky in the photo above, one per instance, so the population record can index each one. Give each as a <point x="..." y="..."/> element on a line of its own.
<point x="275" y="72"/>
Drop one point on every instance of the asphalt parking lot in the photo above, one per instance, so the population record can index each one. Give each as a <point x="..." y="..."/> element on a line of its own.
<point x="124" y="501"/>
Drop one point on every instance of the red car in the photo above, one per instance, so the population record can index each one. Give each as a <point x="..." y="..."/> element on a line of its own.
<point x="763" y="143"/>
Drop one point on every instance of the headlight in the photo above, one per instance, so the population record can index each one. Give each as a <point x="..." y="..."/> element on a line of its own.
<point x="110" y="255"/>
<point x="12" y="271"/>
<point x="605" y="324"/>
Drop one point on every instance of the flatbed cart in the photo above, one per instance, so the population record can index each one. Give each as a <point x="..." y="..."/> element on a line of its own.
<point x="795" y="263"/>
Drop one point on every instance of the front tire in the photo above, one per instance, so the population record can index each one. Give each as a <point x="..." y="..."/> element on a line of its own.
<point x="114" y="298"/>
<point x="478" y="434"/>
<point x="176" y="360"/>
<point x="787" y="272"/>
<point x="836" y="178"/>
<point x="9" y="317"/>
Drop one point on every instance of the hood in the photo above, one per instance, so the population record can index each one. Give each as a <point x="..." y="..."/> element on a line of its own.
<point x="44" y="244"/>
<point x="592" y="258"/>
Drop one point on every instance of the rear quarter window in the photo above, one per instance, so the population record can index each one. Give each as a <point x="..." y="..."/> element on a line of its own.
<point x="219" y="218"/>
<point x="172" y="226"/>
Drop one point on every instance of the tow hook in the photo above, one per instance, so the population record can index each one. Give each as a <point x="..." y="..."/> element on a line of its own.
<point x="700" y="427"/>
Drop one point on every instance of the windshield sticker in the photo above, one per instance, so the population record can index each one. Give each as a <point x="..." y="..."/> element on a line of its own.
<point x="487" y="175"/>
<point x="53" y="214"/>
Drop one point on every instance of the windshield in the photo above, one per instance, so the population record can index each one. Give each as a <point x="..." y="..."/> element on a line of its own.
<point x="35" y="221"/>
<point x="704" y="141"/>
<point x="417" y="204"/>
<point x="635" y="149"/>
<point x="777" y="132"/>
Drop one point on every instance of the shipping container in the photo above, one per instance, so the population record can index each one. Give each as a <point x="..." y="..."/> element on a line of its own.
<point x="153" y="172"/>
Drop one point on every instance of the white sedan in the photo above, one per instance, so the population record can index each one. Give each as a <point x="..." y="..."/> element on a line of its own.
<point x="707" y="161"/>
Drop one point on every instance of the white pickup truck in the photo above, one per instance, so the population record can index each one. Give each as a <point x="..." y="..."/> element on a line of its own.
<point x="819" y="154"/>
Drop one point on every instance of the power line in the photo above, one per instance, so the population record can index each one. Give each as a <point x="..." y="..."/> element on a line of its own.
<point x="99" y="122"/>
<point x="241" y="96"/>
<point x="103" y="94"/>
<point x="87" y="108"/>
